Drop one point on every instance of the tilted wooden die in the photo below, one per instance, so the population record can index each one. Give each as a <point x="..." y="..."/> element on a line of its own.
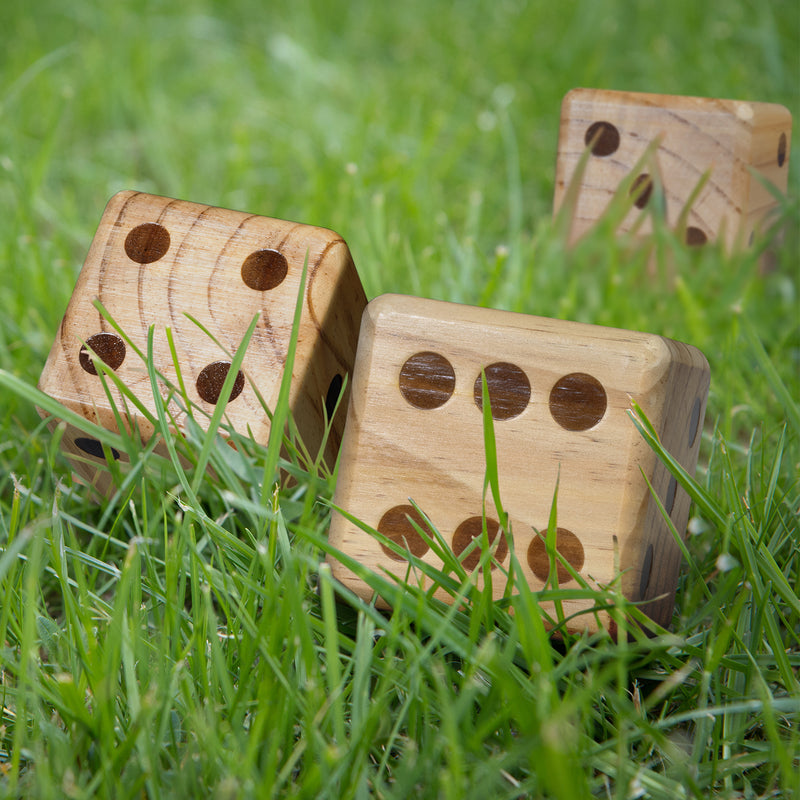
<point x="560" y="393"/>
<point x="740" y="145"/>
<point x="155" y="260"/>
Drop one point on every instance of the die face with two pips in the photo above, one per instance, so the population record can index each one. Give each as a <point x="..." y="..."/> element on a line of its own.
<point x="739" y="145"/>
<point x="157" y="261"/>
<point x="560" y="394"/>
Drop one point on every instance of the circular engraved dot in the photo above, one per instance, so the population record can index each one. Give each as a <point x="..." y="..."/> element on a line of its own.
<point x="427" y="380"/>
<point x="567" y="544"/>
<point x="147" y="243"/>
<point x="694" y="422"/>
<point x="332" y="395"/>
<point x="578" y="401"/>
<point x="672" y="489"/>
<point x="782" y="144"/>
<point x="108" y="346"/>
<point x="642" y="190"/>
<point x="695" y="237"/>
<point x="509" y="390"/>
<point x="94" y="448"/>
<point x="395" y="525"/>
<point x="264" y="269"/>
<point x="211" y="379"/>
<point x="602" y="137"/>
<point x="471" y="529"/>
<point x="647" y="568"/>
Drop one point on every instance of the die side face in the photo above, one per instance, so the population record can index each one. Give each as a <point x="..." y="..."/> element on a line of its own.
<point x="560" y="394"/>
<point x="156" y="260"/>
<point x="726" y="139"/>
<point x="684" y="399"/>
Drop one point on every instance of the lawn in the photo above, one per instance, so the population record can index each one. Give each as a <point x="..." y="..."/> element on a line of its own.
<point x="184" y="638"/>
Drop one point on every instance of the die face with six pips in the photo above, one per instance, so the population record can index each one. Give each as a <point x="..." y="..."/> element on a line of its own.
<point x="184" y="266"/>
<point x="560" y="395"/>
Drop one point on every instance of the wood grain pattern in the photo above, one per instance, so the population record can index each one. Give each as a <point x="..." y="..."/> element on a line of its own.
<point x="726" y="137"/>
<point x="155" y="260"/>
<point x="570" y="426"/>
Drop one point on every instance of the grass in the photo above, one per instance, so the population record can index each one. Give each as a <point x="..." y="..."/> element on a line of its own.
<point x="183" y="639"/>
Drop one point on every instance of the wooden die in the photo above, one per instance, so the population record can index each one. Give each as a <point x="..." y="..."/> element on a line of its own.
<point x="560" y="393"/>
<point x="155" y="260"/>
<point x="740" y="145"/>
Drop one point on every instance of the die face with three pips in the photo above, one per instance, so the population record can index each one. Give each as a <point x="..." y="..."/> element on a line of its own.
<point x="735" y="146"/>
<point x="156" y="261"/>
<point x="560" y="395"/>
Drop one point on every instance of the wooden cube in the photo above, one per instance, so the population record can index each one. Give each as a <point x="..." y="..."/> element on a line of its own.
<point x="153" y="262"/>
<point x="735" y="142"/>
<point x="560" y="393"/>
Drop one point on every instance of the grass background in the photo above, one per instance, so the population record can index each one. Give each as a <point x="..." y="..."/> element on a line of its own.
<point x="186" y="644"/>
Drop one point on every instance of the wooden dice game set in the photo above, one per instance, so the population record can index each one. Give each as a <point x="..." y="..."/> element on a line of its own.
<point x="559" y="392"/>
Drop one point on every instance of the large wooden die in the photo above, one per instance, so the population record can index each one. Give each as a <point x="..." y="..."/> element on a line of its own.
<point x="155" y="261"/>
<point x="740" y="145"/>
<point x="560" y="394"/>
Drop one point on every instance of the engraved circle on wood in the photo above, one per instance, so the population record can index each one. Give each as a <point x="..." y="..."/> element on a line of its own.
<point x="509" y="390"/>
<point x="427" y="380"/>
<point x="471" y="529"/>
<point x="93" y="447"/>
<point x="147" y="243"/>
<point x="602" y="137"/>
<point x="333" y="394"/>
<point x="395" y="525"/>
<point x="695" y="237"/>
<point x="264" y="269"/>
<point x="642" y="190"/>
<point x="570" y="548"/>
<point x="212" y="378"/>
<point x="107" y="346"/>
<point x="578" y="401"/>
<point x="694" y="422"/>
<point x="672" y="490"/>
<point x="647" y="569"/>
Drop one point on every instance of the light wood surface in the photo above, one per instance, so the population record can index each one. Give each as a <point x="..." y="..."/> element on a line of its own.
<point x="727" y="138"/>
<point x="560" y="393"/>
<point x="155" y="260"/>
